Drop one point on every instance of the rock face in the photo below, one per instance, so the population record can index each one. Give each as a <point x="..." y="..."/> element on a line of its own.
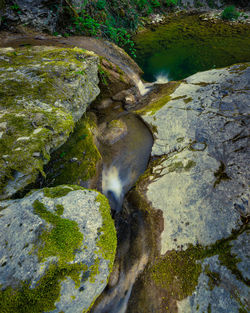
<point x="44" y="90"/>
<point x="39" y="14"/>
<point x="57" y="250"/>
<point x="199" y="181"/>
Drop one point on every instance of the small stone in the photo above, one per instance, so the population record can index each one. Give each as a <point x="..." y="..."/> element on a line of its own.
<point x="73" y="160"/>
<point x="36" y="154"/>
<point x="130" y="99"/>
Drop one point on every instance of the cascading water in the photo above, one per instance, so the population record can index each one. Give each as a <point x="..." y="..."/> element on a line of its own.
<point x="124" y="162"/>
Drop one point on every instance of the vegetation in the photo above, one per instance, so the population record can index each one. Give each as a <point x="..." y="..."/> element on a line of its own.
<point x="113" y="20"/>
<point x="230" y="13"/>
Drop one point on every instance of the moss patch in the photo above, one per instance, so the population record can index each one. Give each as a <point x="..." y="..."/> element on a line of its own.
<point x="159" y="99"/>
<point x="108" y="240"/>
<point x="59" y="191"/>
<point x="41" y="298"/>
<point x="76" y="160"/>
<point x="178" y="271"/>
<point x="62" y="239"/>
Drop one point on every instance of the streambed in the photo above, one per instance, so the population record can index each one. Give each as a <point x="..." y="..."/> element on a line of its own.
<point x="187" y="44"/>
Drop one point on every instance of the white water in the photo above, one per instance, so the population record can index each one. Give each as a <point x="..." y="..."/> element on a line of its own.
<point x="161" y="78"/>
<point x="111" y="181"/>
<point x="144" y="88"/>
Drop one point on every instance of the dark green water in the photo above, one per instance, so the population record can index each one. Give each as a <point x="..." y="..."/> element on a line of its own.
<point x="187" y="45"/>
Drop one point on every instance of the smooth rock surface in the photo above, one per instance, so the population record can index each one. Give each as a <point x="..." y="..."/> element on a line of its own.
<point x="22" y="229"/>
<point x="200" y="182"/>
<point x="203" y="182"/>
<point x="44" y="91"/>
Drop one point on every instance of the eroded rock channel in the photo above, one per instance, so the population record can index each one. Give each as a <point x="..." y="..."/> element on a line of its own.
<point x="173" y="164"/>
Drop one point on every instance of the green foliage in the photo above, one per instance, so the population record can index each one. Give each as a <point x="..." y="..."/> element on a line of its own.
<point x="101" y="4"/>
<point x="170" y="3"/>
<point x="85" y="23"/>
<point x="155" y="3"/>
<point x="115" y="20"/>
<point x="230" y="13"/>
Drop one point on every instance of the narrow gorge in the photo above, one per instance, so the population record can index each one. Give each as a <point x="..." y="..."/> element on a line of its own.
<point x="124" y="179"/>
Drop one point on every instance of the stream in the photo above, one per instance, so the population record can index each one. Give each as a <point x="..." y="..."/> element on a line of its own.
<point x="173" y="51"/>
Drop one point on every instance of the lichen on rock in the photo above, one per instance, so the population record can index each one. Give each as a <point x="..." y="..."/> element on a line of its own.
<point x="55" y="260"/>
<point x="45" y="90"/>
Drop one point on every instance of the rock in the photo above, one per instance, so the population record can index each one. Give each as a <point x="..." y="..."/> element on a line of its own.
<point x="113" y="132"/>
<point x="129" y="100"/>
<point x="105" y="103"/>
<point x="121" y="95"/>
<point x="199" y="181"/>
<point x="45" y="90"/>
<point x="57" y="244"/>
<point x="37" y="14"/>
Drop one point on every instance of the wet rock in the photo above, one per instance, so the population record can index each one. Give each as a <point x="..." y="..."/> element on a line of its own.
<point x="129" y="100"/>
<point x="57" y="244"/>
<point x="105" y="103"/>
<point x="112" y="132"/>
<point x="199" y="181"/>
<point x="44" y="91"/>
<point x="121" y="95"/>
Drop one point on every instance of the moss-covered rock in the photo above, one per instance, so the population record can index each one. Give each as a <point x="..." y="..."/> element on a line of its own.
<point x="76" y="161"/>
<point x="57" y="250"/>
<point x="44" y="90"/>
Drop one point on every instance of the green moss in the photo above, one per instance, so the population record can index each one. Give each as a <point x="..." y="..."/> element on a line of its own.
<point x="162" y="98"/>
<point x="33" y="86"/>
<point x="62" y="240"/>
<point x="59" y="209"/>
<point x="76" y="160"/>
<point x="220" y="174"/>
<point x="187" y="100"/>
<point x="179" y="166"/>
<point x="41" y="298"/>
<point x="60" y="191"/>
<point x="214" y="278"/>
<point x="108" y="240"/>
<point x="178" y="271"/>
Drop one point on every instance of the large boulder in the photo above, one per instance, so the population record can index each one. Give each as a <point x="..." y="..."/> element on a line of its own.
<point x="57" y="250"/>
<point x="199" y="181"/>
<point x="44" y="91"/>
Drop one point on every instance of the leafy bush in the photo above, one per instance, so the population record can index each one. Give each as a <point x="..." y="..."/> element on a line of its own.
<point x="170" y="3"/>
<point x="230" y="13"/>
<point x="85" y="23"/>
<point x="101" y="4"/>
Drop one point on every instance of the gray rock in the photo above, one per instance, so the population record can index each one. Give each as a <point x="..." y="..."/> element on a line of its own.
<point x="200" y="182"/>
<point x="28" y="251"/>
<point x="45" y="91"/>
<point x="203" y="179"/>
<point x="35" y="13"/>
